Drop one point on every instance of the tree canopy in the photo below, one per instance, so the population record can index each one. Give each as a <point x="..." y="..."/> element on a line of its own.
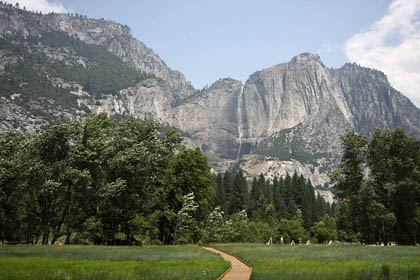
<point x="378" y="187"/>
<point x="98" y="182"/>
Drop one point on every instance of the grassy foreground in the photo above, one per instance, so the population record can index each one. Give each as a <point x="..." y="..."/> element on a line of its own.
<point x="100" y="262"/>
<point x="327" y="262"/>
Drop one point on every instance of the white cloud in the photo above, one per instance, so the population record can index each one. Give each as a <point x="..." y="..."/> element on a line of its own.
<point x="392" y="45"/>
<point x="43" y="6"/>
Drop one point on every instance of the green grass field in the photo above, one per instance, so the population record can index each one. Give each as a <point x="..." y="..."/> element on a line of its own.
<point x="327" y="262"/>
<point x="100" y="262"/>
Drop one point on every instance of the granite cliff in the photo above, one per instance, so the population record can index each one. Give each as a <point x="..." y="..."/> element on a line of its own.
<point x="290" y="116"/>
<point x="67" y="40"/>
<point x="285" y="118"/>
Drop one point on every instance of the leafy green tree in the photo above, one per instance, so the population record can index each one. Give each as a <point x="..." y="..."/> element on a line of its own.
<point x="378" y="186"/>
<point x="185" y="222"/>
<point x="215" y="226"/>
<point x="11" y="186"/>
<point x="239" y="227"/>
<point x="187" y="172"/>
<point x="352" y="165"/>
<point x="325" y="229"/>
<point x="92" y="182"/>
<point x="291" y="230"/>
<point x="350" y="178"/>
<point x="394" y="162"/>
<point x="259" y="231"/>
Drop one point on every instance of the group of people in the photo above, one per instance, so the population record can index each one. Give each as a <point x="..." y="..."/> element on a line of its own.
<point x="299" y="241"/>
<point x="270" y="241"/>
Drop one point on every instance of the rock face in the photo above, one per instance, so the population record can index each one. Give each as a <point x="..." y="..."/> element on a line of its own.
<point x="115" y="37"/>
<point x="372" y="101"/>
<point x="290" y="116"/>
<point x="211" y="119"/>
<point x="286" y="118"/>
<point x="151" y="99"/>
<point x="148" y="100"/>
<point x="300" y="96"/>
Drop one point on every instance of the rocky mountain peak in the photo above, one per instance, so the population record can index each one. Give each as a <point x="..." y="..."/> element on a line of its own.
<point x="225" y="83"/>
<point x="357" y="70"/>
<point x="115" y="37"/>
<point x="305" y="58"/>
<point x="306" y="61"/>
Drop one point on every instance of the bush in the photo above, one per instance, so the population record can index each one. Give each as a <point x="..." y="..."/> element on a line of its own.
<point x="325" y="229"/>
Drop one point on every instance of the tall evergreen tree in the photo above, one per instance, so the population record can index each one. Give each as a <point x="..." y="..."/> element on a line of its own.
<point x="228" y="187"/>
<point x="257" y="190"/>
<point x="288" y="189"/>
<point x="253" y="197"/>
<point x="279" y="203"/>
<point x="239" y="198"/>
<point x="379" y="187"/>
<point x="220" y="191"/>
<point x="394" y="162"/>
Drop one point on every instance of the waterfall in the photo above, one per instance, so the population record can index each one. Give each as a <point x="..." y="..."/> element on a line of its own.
<point x="240" y="123"/>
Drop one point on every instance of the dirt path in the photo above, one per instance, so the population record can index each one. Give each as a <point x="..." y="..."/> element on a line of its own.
<point x="238" y="270"/>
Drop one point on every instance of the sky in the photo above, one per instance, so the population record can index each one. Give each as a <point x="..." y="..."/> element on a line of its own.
<point x="211" y="39"/>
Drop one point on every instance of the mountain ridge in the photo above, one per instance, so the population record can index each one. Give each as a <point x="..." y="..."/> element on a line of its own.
<point x="283" y="118"/>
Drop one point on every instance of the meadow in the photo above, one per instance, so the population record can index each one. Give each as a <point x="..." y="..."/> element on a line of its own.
<point x="327" y="262"/>
<point x="101" y="262"/>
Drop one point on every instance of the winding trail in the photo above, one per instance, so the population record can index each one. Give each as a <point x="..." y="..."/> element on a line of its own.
<point x="238" y="269"/>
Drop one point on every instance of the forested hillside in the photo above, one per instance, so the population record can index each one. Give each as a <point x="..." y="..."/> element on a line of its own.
<point x="57" y="66"/>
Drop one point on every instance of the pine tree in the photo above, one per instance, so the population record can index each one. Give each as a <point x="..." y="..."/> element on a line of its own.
<point x="291" y="209"/>
<point x="308" y="205"/>
<point x="228" y="187"/>
<point x="240" y="196"/>
<point x="288" y="189"/>
<point x="256" y="192"/>
<point x="220" y="191"/>
<point x="279" y="203"/>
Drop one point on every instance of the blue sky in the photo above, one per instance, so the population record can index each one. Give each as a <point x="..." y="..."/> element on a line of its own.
<point x="208" y="40"/>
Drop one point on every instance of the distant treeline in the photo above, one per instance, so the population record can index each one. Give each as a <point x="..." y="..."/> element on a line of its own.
<point x="106" y="182"/>
<point x="271" y="200"/>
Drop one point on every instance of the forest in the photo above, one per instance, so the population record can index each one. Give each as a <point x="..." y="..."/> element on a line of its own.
<point x="93" y="67"/>
<point x="125" y="182"/>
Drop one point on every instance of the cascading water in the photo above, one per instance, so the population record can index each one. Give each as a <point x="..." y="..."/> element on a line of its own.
<point x="240" y="123"/>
